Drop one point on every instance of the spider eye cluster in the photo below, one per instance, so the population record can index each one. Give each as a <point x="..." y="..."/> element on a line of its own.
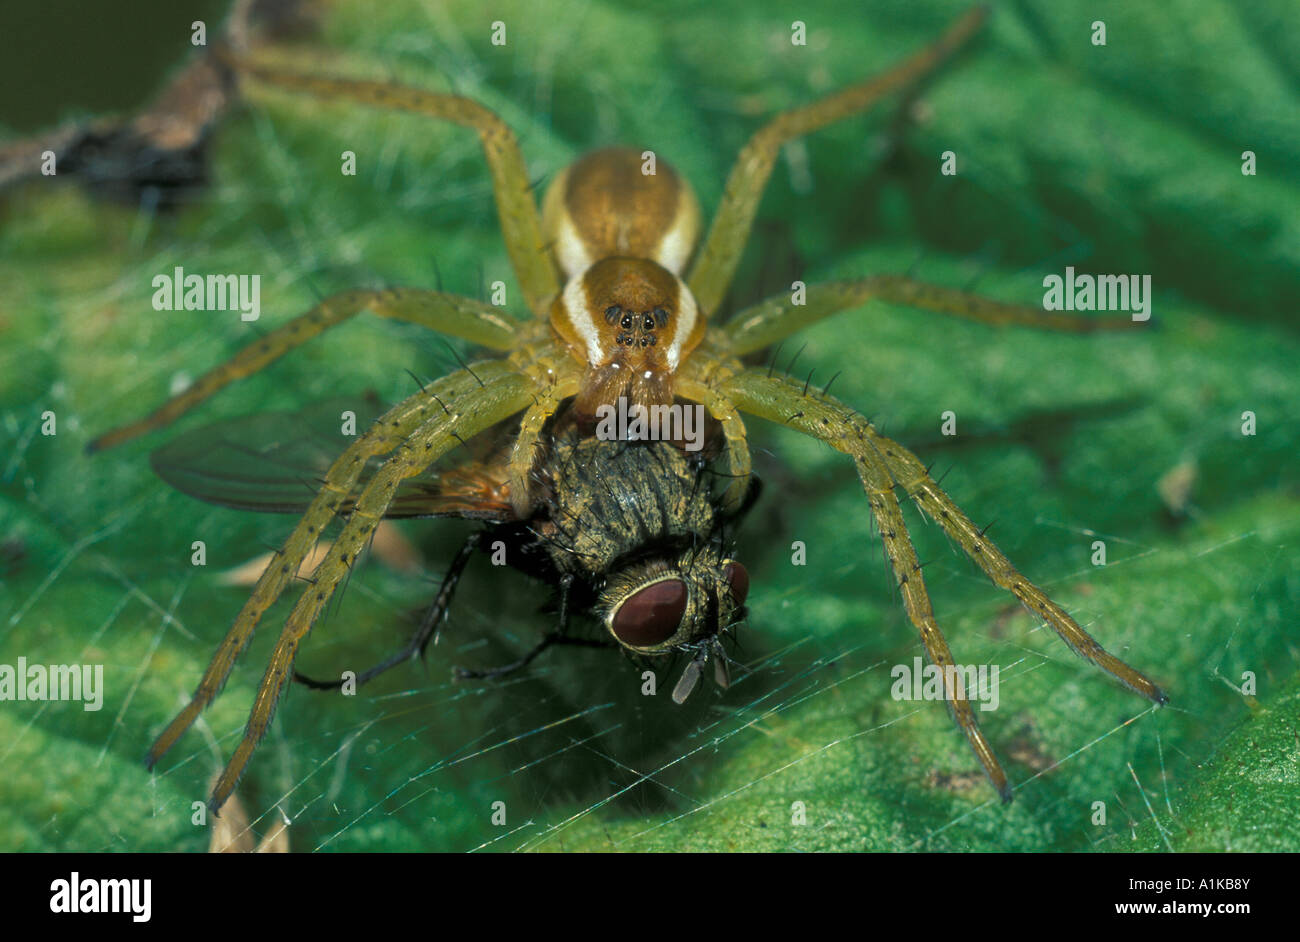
<point x="636" y="329"/>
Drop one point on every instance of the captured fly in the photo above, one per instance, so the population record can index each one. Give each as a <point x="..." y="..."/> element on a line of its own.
<point x="631" y="536"/>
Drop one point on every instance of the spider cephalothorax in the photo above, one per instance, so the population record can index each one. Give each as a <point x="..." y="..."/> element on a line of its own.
<point x="610" y="263"/>
<point x="631" y="322"/>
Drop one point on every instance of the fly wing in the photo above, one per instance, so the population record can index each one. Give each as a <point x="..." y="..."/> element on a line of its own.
<point x="276" y="462"/>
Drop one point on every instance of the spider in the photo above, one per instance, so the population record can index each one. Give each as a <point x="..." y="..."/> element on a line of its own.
<point x="620" y="297"/>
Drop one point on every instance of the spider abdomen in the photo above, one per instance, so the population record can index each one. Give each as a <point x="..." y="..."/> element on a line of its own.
<point x="620" y="201"/>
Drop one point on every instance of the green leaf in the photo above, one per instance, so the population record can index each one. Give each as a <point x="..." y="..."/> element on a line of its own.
<point x="1243" y="799"/>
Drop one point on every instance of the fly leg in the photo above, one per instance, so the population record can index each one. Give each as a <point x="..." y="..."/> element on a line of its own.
<point x="558" y="636"/>
<point x="427" y="631"/>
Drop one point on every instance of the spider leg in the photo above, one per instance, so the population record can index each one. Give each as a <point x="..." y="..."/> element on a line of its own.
<point x="523" y="455"/>
<point x="450" y="314"/>
<point x="778" y="317"/>
<point x="516" y="208"/>
<point x="721" y="251"/>
<point x="428" y="629"/>
<point x="907" y="571"/>
<point x="739" y="464"/>
<point x="781" y="399"/>
<point x="938" y="506"/>
<point x="882" y="462"/>
<point x="776" y="399"/>
<point x="386" y="434"/>
<point x="481" y="406"/>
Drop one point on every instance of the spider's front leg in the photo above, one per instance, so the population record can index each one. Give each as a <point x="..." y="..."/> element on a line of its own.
<point x="494" y="398"/>
<point x="388" y="432"/>
<point x="516" y="207"/>
<point x="783" y="402"/>
<point x="695" y="385"/>
<point x="717" y="260"/>
<point x="529" y="443"/>
<point x="778" y="317"/>
<point x="449" y="314"/>
<point x="882" y="464"/>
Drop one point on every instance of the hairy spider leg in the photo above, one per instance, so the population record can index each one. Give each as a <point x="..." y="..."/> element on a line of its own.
<point x="716" y="263"/>
<point x="449" y="314"/>
<point x="883" y="463"/>
<point x="516" y="207"/>
<point x="387" y="433"/>
<point x="910" y="473"/>
<point x="776" y="318"/>
<point x="482" y="405"/>
<point x="739" y="463"/>
<point x="524" y="452"/>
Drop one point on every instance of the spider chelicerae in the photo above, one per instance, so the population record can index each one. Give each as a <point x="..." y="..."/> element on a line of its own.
<point x="620" y="296"/>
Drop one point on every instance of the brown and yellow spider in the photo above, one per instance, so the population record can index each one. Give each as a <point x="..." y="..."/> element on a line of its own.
<point x="601" y="268"/>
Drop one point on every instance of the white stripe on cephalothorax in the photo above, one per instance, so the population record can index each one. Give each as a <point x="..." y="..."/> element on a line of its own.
<point x="577" y="310"/>
<point x="687" y="314"/>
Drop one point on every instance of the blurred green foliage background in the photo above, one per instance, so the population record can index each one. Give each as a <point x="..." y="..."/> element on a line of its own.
<point x="1124" y="158"/>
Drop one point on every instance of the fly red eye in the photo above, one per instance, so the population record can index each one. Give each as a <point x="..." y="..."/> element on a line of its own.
<point x="651" y="615"/>
<point x="738" y="579"/>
